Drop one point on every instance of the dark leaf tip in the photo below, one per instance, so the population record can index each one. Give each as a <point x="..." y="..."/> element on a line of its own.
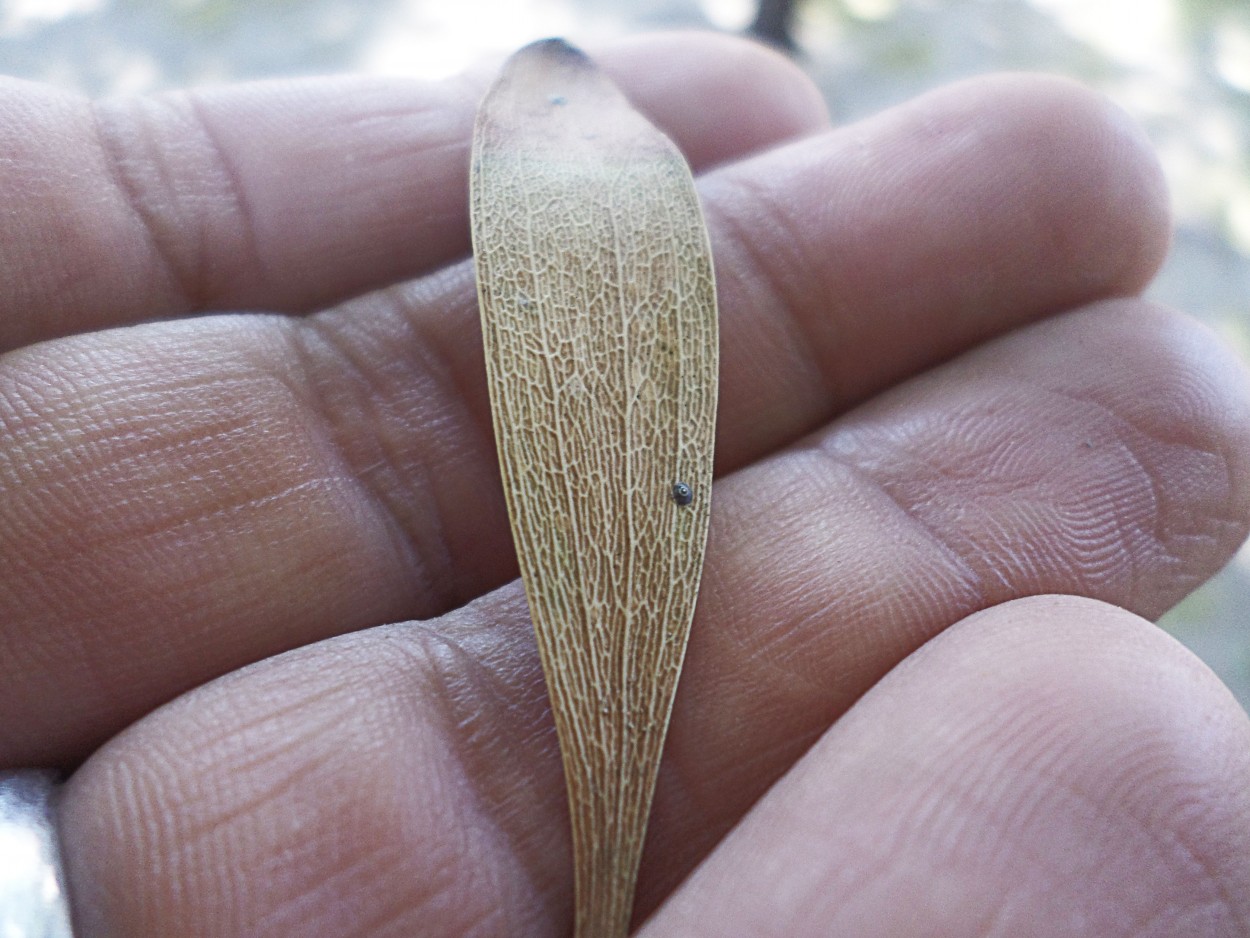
<point x="556" y="50"/>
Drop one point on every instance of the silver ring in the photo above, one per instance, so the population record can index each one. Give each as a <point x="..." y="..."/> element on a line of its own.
<point x="33" y="900"/>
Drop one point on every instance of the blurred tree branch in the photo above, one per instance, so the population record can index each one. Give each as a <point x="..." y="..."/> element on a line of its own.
<point x="774" y="20"/>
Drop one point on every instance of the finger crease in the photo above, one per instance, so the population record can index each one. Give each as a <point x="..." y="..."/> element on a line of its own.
<point x="116" y="158"/>
<point x="778" y="275"/>
<point x="972" y="584"/>
<point x="243" y="213"/>
<point x="428" y="555"/>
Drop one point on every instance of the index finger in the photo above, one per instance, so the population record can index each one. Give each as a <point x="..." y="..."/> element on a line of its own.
<point x="292" y="195"/>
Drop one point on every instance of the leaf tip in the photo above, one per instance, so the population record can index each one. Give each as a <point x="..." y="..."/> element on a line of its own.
<point x="550" y="57"/>
<point x="555" y="48"/>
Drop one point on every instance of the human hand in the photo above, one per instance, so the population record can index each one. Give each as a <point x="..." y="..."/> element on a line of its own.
<point x="939" y="396"/>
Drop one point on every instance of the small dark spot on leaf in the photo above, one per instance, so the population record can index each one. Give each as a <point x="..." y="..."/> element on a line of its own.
<point x="682" y="493"/>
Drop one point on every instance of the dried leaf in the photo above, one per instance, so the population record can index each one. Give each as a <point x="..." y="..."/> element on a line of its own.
<point x="599" y="320"/>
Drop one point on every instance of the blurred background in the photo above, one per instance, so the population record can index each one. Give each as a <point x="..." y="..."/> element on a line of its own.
<point x="1181" y="67"/>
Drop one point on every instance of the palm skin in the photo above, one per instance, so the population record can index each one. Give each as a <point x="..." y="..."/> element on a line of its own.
<point x="958" y="459"/>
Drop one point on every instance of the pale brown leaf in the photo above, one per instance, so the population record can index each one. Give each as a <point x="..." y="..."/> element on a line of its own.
<point x="599" y="320"/>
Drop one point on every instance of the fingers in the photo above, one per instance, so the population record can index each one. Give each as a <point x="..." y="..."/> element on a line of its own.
<point x="290" y="195"/>
<point x="1052" y="461"/>
<point x="420" y="762"/>
<point x="336" y="805"/>
<point x="1053" y="748"/>
<point x="896" y="243"/>
<point x="1053" y="766"/>
<point x="186" y="498"/>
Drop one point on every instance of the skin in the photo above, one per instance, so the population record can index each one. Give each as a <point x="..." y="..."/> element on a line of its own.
<point x="260" y="596"/>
